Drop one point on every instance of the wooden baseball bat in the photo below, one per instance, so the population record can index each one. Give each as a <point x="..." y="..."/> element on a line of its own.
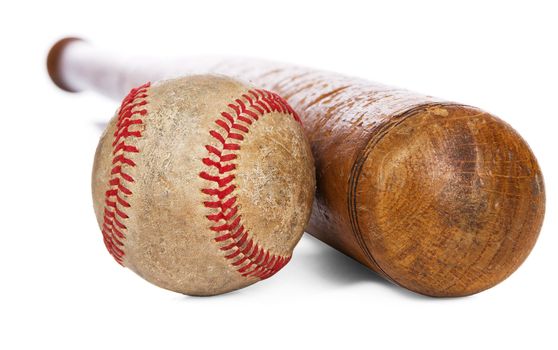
<point x="441" y="198"/>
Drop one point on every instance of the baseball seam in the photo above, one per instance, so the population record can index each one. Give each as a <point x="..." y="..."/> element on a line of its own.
<point x="244" y="253"/>
<point x="116" y="197"/>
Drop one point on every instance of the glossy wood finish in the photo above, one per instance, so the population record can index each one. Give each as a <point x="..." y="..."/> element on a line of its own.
<point x="449" y="202"/>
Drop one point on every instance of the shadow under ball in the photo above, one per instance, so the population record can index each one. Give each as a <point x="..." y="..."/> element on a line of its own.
<point x="440" y="198"/>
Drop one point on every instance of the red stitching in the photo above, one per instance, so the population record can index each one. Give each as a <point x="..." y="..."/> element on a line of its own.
<point x="247" y="256"/>
<point x="113" y="226"/>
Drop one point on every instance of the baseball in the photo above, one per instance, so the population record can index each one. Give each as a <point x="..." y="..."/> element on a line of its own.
<point x="203" y="184"/>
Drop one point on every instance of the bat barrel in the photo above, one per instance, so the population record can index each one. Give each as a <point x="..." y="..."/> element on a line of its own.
<point x="448" y="200"/>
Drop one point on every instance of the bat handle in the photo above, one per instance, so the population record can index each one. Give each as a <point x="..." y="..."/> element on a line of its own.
<point x="74" y="65"/>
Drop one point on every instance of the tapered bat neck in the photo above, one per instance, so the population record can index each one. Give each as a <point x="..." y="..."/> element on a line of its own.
<point x="74" y="65"/>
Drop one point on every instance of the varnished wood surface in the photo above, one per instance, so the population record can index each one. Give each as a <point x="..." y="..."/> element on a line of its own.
<point x="449" y="202"/>
<point x="440" y="198"/>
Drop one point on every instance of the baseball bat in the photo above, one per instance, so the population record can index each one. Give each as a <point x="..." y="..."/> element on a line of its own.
<point x="441" y="198"/>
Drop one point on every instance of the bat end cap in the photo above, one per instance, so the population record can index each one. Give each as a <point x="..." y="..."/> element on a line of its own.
<point x="54" y="62"/>
<point x="450" y="201"/>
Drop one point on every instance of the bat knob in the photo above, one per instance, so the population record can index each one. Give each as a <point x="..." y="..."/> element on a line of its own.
<point x="449" y="201"/>
<point x="54" y="63"/>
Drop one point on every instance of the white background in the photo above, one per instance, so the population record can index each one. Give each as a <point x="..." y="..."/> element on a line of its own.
<point x="59" y="289"/>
